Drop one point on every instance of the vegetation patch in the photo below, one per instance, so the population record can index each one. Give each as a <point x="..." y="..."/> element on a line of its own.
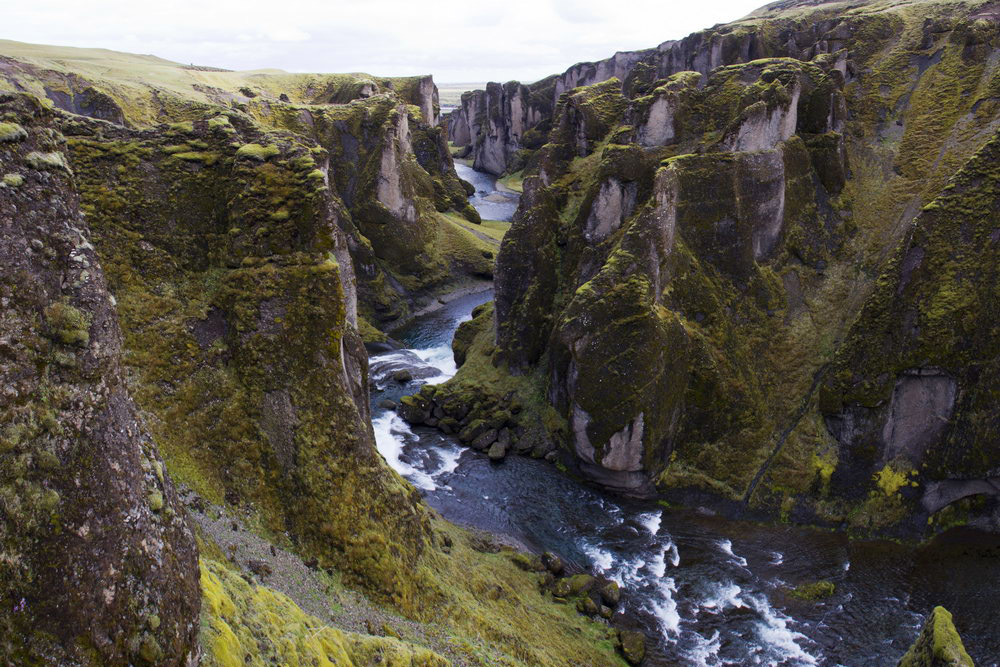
<point x="257" y="152"/>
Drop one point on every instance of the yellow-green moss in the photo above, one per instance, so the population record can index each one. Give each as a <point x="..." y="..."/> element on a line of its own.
<point x="813" y="591"/>
<point x="938" y="644"/>
<point x="67" y="324"/>
<point x="10" y="132"/>
<point x="257" y="152"/>
<point x="254" y="626"/>
<point x="47" y="161"/>
<point x="12" y="180"/>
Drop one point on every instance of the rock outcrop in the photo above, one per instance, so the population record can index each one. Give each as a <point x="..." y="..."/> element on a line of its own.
<point x="501" y="125"/>
<point x="225" y="250"/>
<point x="939" y="644"/>
<point x="99" y="566"/>
<point x="772" y="282"/>
<point x="391" y="170"/>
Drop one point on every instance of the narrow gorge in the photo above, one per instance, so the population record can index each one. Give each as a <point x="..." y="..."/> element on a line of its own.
<point x="684" y="357"/>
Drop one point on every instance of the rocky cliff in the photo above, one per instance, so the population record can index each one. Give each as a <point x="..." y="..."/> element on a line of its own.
<point x="502" y="125"/>
<point x="99" y="563"/>
<point x="392" y="172"/>
<point x="770" y="283"/>
<point x="184" y="364"/>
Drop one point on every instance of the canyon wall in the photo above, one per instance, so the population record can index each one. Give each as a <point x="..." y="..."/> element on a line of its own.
<point x="186" y="299"/>
<point x="767" y="285"/>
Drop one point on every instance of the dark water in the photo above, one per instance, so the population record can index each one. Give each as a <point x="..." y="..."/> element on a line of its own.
<point x="709" y="589"/>
<point x="491" y="203"/>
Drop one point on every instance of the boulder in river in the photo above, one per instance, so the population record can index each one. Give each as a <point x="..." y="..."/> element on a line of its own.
<point x="497" y="451"/>
<point x="611" y="593"/>
<point x="939" y="644"/>
<point x="484" y="440"/>
<point x="414" y="409"/>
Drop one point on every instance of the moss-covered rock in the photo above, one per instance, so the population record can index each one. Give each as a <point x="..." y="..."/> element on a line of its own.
<point x="813" y="591"/>
<point x="938" y="644"/>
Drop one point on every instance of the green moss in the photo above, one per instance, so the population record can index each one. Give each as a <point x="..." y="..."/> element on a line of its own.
<point x="54" y="161"/>
<point x="156" y="501"/>
<point x="11" y="132"/>
<point x="255" y="626"/>
<point x="12" y="180"/>
<point x="257" y="152"/>
<point x="203" y="157"/>
<point x="938" y="644"/>
<point x="67" y="324"/>
<point x="813" y="591"/>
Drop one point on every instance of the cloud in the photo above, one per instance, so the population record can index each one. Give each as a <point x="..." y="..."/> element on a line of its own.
<point x="469" y="41"/>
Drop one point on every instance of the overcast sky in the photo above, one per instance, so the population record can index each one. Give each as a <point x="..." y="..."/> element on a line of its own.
<point x="455" y="41"/>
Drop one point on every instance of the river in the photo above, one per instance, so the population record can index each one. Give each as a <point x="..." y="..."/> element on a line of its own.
<point x="706" y="590"/>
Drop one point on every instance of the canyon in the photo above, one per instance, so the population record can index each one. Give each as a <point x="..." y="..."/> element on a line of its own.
<point x="291" y="377"/>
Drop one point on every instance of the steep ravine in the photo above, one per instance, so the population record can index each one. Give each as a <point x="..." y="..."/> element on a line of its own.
<point x="705" y="590"/>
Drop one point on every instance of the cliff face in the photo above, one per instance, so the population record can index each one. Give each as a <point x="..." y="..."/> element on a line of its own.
<point x="395" y="179"/>
<point x="141" y="90"/>
<point x="772" y="284"/>
<point x="99" y="565"/>
<point x="500" y="141"/>
<point x="392" y="172"/>
<point x="180" y="302"/>
<point x="224" y="250"/>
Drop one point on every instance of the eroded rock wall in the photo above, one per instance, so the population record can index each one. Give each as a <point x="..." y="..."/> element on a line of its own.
<point x="99" y="565"/>
<point x="726" y="285"/>
<point x="231" y="268"/>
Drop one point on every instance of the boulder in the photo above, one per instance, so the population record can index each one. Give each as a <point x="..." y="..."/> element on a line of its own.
<point x="553" y="563"/>
<point x="587" y="606"/>
<point x="633" y="646"/>
<point x="528" y="562"/>
<point x="414" y="409"/>
<point x="578" y="584"/>
<point x="938" y="645"/>
<point x="484" y="440"/>
<point x="812" y="591"/>
<point x="611" y="593"/>
<point x="497" y="451"/>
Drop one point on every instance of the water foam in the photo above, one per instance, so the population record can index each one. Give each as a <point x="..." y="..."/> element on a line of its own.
<point x="658" y="566"/>
<point x="441" y="358"/>
<point x="774" y="633"/>
<point x="675" y="555"/>
<point x="389" y="431"/>
<point x="724" y="596"/>
<point x="664" y="607"/>
<point x="727" y="547"/>
<point x="705" y="649"/>
<point x="601" y="559"/>
<point x="651" y="520"/>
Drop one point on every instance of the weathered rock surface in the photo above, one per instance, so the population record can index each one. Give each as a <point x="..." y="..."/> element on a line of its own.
<point x="939" y="644"/>
<point x="99" y="566"/>
<point x="503" y="122"/>
<point x="772" y="282"/>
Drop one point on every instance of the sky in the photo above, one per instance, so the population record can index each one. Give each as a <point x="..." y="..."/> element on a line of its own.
<point x="457" y="42"/>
